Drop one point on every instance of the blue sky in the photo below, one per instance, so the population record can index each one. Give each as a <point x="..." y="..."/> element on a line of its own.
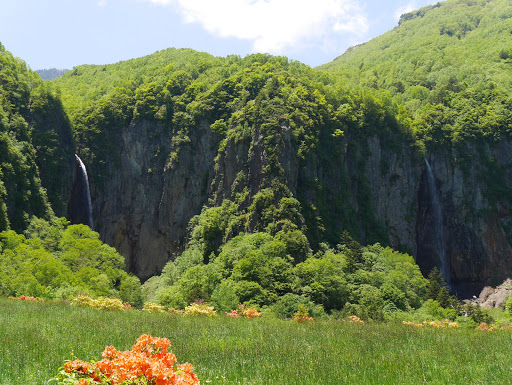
<point x="66" y="33"/>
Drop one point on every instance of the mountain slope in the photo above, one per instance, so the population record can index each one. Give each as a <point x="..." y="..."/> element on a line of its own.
<point x="36" y="146"/>
<point x="264" y="144"/>
<point x="451" y="45"/>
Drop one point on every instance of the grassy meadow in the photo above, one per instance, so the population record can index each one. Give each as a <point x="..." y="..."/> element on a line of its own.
<point x="36" y="338"/>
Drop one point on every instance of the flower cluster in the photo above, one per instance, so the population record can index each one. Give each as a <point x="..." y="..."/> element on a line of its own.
<point x="149" y="362"/>
<point x="250" y="312"/>
<point x="153" y="308"/>
<point x="435" y="324"/>
<point x="101" y="303"/>
<point x="484" y="327"/>
<point x="200" y="309"/>
<point x="353" y="319"/>
<point x="27" y="298"/>
<point x="175" y="311"/>
<point x="233" y="314"/>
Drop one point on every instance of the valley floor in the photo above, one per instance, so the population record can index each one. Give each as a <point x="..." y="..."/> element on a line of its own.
<point x="36" y="338"/>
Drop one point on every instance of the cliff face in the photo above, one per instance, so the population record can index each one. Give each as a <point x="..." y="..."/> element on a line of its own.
<point x="144" y="207"/>
<point x="365" y="185"/>
<point x="476" y="219"/>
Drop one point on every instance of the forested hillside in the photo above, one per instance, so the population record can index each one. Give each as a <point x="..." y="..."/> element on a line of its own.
<point x="448" y="67"/>
<point x="36" y="147"/>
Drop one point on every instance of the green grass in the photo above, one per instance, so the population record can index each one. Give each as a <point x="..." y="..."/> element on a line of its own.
<point x="36" y="338"/>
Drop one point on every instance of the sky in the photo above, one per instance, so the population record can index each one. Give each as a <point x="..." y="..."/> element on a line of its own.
<point x="66" y="33"/>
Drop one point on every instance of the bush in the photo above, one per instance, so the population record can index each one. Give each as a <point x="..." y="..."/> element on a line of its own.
<point x="200" y="309"/>
<point x="102" y="303"/>
<point x="288" y="305"/>
<point x="149" y="362"/>
<point x="224" y="297"/>
<point x="153" y="308"/>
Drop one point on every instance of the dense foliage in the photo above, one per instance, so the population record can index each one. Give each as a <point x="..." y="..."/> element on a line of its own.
<point x="58" y="261"/>
<point x="274" y="233"/>
<point x="35" y="146"/>
<point x="258" y="269"/>
<point x="448" y="67"/>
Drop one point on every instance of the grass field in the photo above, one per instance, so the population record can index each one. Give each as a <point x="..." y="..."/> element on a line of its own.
<point x="36" y="338"/>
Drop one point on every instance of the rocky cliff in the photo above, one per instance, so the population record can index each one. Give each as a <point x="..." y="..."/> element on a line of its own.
<point x="375" y="188"/>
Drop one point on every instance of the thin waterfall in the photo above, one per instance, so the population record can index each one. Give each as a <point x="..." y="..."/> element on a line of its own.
<point x="85" y="181"/>
<point x="437" y="218"/>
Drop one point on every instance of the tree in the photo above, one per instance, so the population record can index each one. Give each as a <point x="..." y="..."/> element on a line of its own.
<point x="435" y="284"/>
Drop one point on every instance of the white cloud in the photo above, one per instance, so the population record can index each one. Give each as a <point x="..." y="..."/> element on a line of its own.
<point x="410" y="6"/>
<point x="274" y="25"/>
<point x="102" y="3"/>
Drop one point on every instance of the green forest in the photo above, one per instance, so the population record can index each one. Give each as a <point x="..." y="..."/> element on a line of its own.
<point x="294" y="220"/>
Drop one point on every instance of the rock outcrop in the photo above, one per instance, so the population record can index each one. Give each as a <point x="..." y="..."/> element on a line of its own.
<point x="495" y="297"/>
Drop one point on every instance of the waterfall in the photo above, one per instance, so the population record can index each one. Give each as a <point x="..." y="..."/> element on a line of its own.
<point x="85" y="182"/>
<point x="437" y="219"/>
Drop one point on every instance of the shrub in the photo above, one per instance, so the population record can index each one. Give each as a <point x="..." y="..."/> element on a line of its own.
<point x="353" y="319"/>
<point x="149" y="362"/>
<point x="153" y="308"/>
<point x="200" y="309"/>
<point x="104" y="303"/>
<point x="508" y="306"/>
<point x="233" y="314"/>
<point x="83" y="300"/>
<point x="101" y="303"/>
<point x="27" y="298"/>
<point x="302" y="315"/>
<point x="250" y="312"/>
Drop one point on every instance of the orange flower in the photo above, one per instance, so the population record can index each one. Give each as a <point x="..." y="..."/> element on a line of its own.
<point x="148" y="360"/>
<point x="78" y="366"/>
<point x="109" y="352"/>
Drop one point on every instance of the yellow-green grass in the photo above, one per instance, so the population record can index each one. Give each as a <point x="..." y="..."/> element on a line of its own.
<point x="36" y="338"/>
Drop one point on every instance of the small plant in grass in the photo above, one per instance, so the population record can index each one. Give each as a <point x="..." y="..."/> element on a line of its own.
<point x="248" y="312"/>
<point x="151" y="307"/>
<point x="27" y="298"/>
<point x="149" y="362"/>
<point x="353" y="319"/>
<point x="200" y="309"/>
<point x="435" y="324"/>
<point x="175" y="311"/>
<point x="233" y="314"/>
<point x="302" y="315"/>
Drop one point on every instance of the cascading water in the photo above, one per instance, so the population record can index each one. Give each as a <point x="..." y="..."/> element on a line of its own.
<point x="437" y="219"/>
<point x="84" y="181"/>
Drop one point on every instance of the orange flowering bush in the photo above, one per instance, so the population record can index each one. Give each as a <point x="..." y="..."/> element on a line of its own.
<point x="353" y="319"/>
<point x="233" y="314"/>
<point x="250" y="312"/>
<point x="27" y="298"/>
<point x="302" y="315"/>
<point x="149" y="362"/>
